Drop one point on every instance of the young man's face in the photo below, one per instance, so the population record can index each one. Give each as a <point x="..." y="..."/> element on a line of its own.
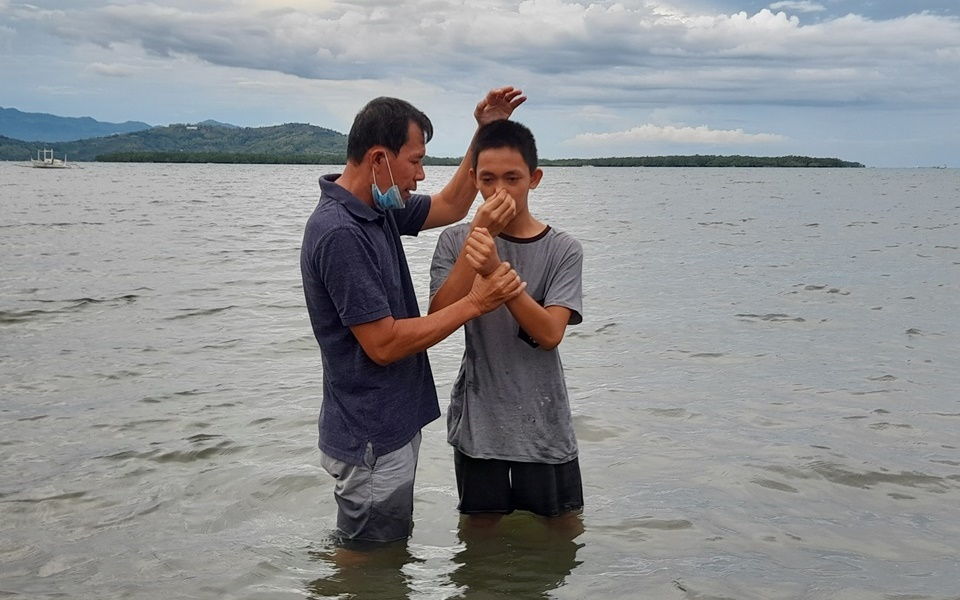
<point x="504" y="168"/>
<point x="407" y="165"/>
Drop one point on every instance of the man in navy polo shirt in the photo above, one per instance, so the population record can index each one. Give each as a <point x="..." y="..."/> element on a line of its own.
<point x="378" y="390"/>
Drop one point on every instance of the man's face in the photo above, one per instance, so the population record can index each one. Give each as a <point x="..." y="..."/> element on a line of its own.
<point x="407" y="165"/>
<point x="504" y="168"/>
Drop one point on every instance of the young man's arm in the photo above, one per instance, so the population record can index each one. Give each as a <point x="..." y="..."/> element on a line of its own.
<point x="453" y="202"/>
<point x="545" y="324"/>
<point x="562" y="299"/>
<point x="387" y="340"/>
<point x="498" y="210"/>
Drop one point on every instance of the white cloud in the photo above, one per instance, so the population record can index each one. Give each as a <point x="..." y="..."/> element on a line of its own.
<point x="804" y="6"/>
<point x="111" y="70"/>
<point x="596" y="112"/>
<point x="641" y="52"/>
<point x="59" y="90"/>
<point x="675" y="135"/>
<point x="602" y="65"/>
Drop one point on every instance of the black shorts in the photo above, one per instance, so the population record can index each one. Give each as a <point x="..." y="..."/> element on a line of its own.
<point x="502" y="486"/>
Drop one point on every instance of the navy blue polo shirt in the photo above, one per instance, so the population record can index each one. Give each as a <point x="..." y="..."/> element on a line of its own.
<point x="355" y="271"/>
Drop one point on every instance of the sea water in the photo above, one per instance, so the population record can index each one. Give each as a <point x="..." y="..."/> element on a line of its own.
<point x="764" y="387"/>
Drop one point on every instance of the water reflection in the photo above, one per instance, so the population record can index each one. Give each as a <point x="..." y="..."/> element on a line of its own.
<point x="520" y="558"/>
<point x="374" y="573"/>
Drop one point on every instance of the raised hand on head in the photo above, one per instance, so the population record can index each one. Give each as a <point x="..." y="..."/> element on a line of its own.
<point x="499" y="103"/>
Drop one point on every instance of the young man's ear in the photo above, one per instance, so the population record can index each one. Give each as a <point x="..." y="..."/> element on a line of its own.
<point x="535" y="178"/>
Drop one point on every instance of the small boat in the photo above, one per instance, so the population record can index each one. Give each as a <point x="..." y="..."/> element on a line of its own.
<point x="47" y="161"/>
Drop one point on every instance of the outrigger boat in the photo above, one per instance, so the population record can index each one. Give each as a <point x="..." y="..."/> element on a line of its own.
<point x="47" y="161"/>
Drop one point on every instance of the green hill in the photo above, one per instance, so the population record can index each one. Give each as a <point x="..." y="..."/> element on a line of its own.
<point x="291" y="139"/>
<point x="11" y="149"/>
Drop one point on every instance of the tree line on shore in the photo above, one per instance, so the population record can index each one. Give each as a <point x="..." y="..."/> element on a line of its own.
<point x="696" y="160"/>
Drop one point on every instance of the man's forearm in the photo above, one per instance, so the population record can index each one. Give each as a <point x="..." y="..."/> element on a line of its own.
<point x="453" y="202"/>
<point x="390" y="340"/>
<point x="461" y="190"/>
<point x="457" y="285"/>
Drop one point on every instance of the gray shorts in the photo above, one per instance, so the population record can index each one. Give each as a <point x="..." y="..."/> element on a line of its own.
<point x="375" y="499"/>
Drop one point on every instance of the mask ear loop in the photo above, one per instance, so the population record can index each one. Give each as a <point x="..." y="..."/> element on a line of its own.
<point x="373" y="172"/>
<point x="389" y="170"/>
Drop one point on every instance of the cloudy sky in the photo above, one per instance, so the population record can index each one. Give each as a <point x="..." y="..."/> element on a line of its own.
<point x="872" y="81"/>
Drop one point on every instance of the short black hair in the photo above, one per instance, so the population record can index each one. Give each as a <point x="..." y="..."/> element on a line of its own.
<point x="384" y="122"/>
<point x="506" y="134"/>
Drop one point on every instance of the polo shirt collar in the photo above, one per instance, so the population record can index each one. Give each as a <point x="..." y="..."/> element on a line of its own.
<point x="354" y="205"/>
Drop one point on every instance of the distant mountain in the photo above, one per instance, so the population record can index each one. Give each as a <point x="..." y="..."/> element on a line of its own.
<point x="213" y="123"/>
<point x="51" y="128"/>
<point x="288" y="140"/>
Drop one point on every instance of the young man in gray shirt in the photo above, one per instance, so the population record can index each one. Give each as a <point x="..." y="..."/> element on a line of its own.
<point x="509" y="417"/>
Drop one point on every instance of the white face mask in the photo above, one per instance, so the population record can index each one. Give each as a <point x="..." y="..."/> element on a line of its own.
<point x="391" y="199"/>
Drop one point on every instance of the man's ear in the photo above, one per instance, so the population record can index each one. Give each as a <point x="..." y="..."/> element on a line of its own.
<point x="376" y="154"/>
<point x="535" y="178"/>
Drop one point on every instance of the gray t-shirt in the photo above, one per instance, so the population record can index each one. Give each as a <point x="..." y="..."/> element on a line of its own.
<point x="509" y="401"/>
